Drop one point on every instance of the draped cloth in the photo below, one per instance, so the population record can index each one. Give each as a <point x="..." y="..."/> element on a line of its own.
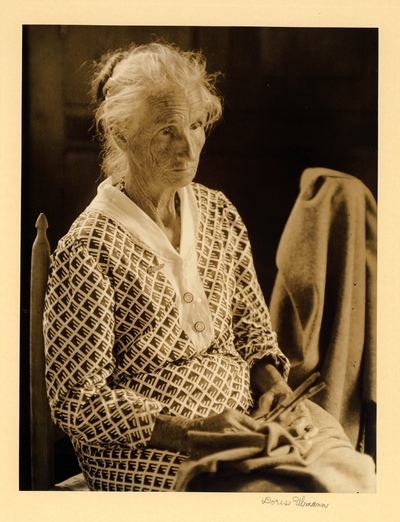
<point x="323" y="304"/>
<point x="272" y="460"/>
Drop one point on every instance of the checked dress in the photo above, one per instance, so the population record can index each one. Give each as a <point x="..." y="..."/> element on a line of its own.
<point x="131" y="331"/>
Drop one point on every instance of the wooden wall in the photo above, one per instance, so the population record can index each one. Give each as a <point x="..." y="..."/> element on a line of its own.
<point x="294" y="98"/>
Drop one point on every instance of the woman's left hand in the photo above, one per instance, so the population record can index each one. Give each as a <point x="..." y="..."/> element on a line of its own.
<point x="298" y="421"/>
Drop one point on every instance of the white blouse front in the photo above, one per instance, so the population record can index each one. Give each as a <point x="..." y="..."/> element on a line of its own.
<point x="179" y="268"/>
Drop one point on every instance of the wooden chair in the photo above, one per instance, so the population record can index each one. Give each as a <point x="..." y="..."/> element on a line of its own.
<point x="44" y="434"/>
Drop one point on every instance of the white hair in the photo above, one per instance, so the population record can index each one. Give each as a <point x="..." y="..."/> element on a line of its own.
<point x="124" y="80"/>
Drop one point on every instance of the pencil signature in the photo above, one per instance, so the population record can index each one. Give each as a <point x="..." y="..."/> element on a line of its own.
<point x="296" y="501"/>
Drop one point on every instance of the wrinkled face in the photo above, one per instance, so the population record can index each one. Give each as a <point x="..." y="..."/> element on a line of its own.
<point x="165" y="151"/>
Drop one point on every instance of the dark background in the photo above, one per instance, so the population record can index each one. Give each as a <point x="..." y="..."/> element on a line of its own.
<point x="294" y="98"/>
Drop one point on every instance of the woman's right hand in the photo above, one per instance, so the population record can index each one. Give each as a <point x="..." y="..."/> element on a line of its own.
<point x="227" y="422"/>
<point x="170" y="432"/>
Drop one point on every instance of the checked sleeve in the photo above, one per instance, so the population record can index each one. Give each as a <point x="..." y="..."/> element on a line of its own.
<point x="254" y="337"/>
<point x="79" y="338"/>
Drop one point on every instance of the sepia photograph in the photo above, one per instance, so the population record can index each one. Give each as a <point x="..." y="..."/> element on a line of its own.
<point x="199" y="270"/>
<point x="198" y="285"/>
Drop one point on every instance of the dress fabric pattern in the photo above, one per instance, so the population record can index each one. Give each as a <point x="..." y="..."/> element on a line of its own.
<point x="117" y="356"/>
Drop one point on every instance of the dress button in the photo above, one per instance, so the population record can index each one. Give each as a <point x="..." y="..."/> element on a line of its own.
<point x="188" y="297"/>
<point x="199" y="326"/>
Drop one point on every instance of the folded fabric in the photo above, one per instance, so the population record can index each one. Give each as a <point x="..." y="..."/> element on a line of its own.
<point x="323" y="305"/>
<point x="273" y="460"/>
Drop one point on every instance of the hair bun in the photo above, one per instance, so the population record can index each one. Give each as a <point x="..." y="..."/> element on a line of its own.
<point x="104" y="70"/>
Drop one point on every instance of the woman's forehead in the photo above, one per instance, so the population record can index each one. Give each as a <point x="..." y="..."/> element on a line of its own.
<point x="175" y="103"/>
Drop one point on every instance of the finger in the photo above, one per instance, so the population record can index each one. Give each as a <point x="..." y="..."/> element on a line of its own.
<point x="264" y="405"/>
<point x="286" y="418"/>
<point x="302" y="426"/>
<point x="311" y="431"/>
<point x="299" y="412"/>
<point x="246" y="423"/>
<point x="266" y="400"/>
<point x="293" y="422"/>
<point x="236" y="421"/>
<point x="237" y="428"/>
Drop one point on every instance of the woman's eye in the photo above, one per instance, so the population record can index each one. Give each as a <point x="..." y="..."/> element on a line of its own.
<point x="197" y="125"/>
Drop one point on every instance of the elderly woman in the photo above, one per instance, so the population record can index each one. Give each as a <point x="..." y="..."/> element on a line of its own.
<point x="154" y="321"/>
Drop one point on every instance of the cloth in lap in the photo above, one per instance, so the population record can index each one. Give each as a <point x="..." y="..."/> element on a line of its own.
<point x="323" y="305"/>
<point x="274" y="461"/>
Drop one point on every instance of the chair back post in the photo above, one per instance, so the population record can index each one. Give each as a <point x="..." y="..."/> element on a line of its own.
<point x="42" y="450"/>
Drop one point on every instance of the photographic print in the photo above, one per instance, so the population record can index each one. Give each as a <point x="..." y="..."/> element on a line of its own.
<point x="284" y="144"/>
<point x="197" y="194"/>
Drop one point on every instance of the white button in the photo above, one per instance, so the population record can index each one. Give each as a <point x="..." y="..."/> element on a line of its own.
<point x="199" y="326"/>
<point x="188" y="297"/>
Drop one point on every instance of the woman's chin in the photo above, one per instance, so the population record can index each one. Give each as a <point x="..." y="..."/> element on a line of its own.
<point x="182" y="178"/>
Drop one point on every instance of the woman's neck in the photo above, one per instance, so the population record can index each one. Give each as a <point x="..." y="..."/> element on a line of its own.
<point x="162" y="207"/>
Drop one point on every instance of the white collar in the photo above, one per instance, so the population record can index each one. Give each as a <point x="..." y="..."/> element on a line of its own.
<point x="116" y="205"/>
<point x="179" y="268"/>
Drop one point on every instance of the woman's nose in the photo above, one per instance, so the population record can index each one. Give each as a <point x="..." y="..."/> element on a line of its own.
<point x="185" y="148"/>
